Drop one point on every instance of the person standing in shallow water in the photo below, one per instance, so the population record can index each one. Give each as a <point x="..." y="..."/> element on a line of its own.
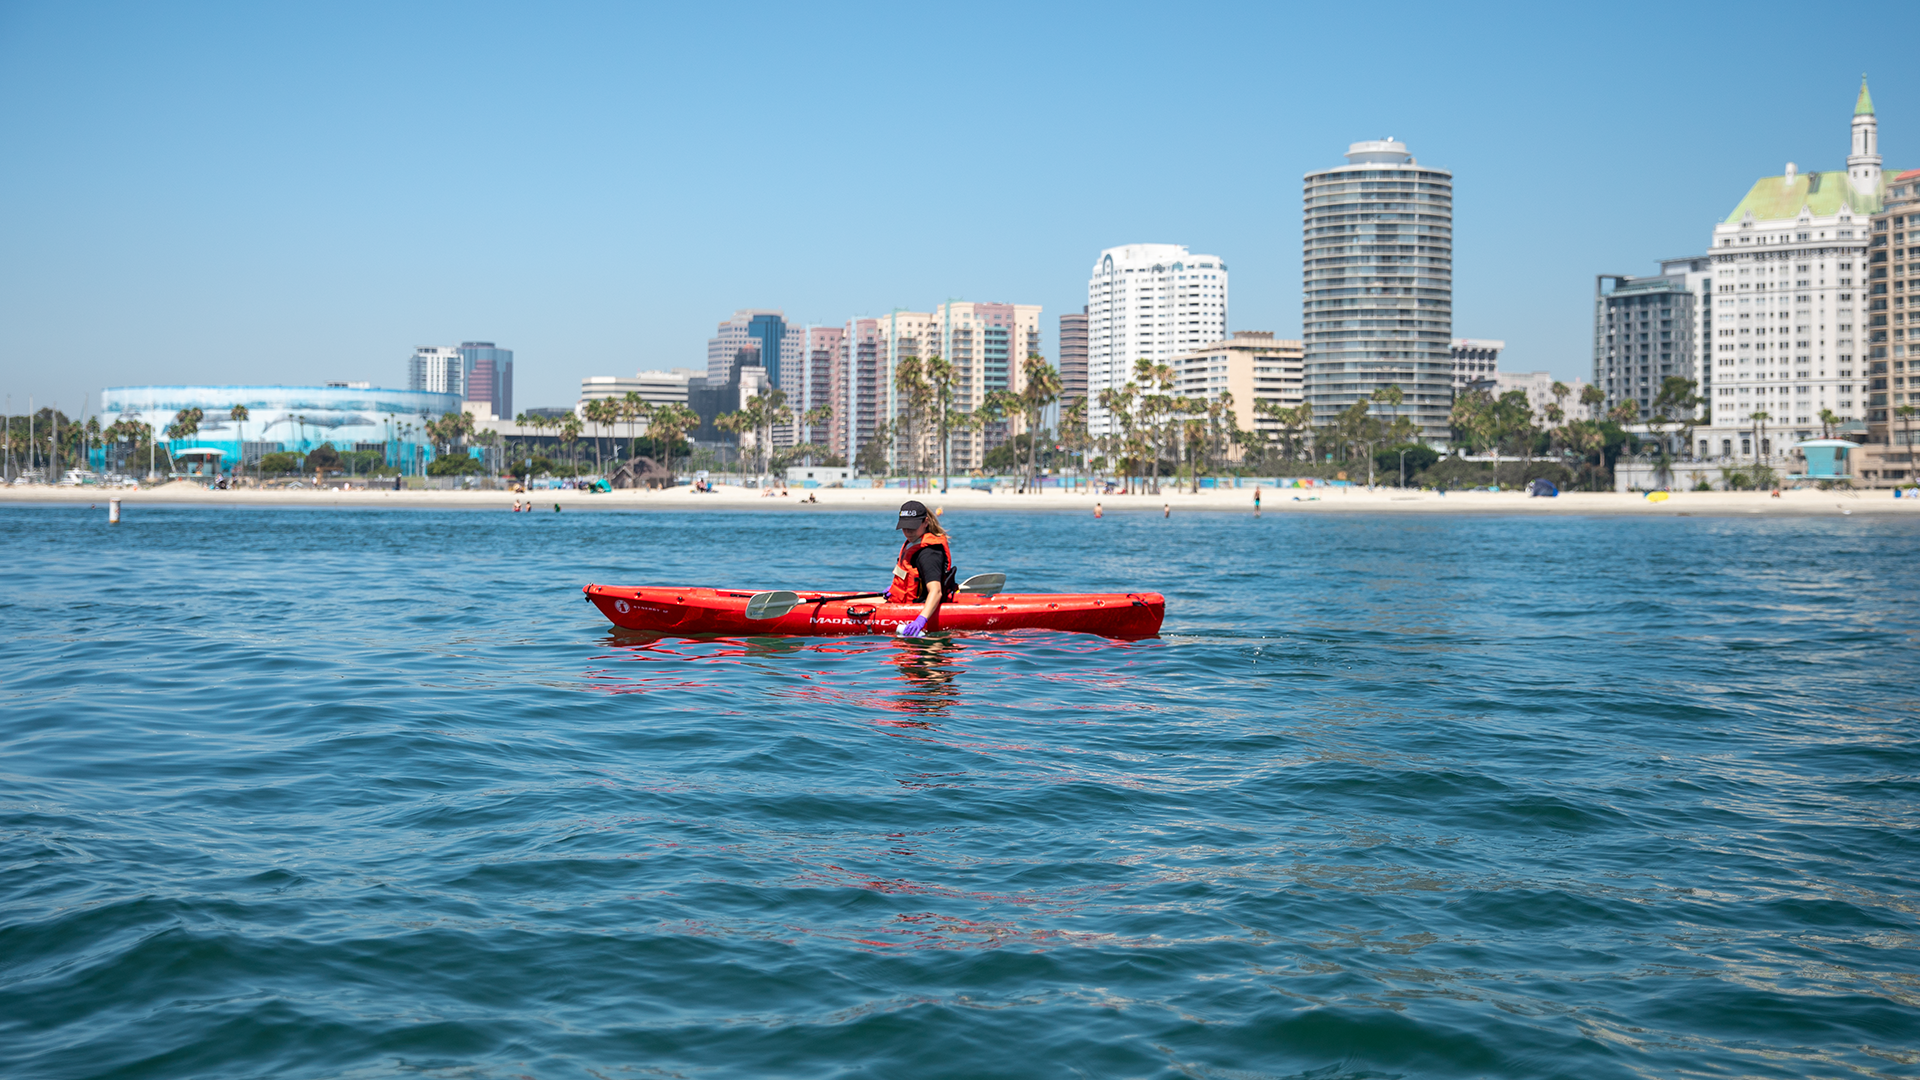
<point x="923" y="574"/>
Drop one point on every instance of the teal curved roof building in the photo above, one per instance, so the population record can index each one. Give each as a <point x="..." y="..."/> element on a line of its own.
<point x="287" y="418"/>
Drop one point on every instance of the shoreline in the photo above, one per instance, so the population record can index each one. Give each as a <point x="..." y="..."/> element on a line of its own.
<point x="1800" y="503"/>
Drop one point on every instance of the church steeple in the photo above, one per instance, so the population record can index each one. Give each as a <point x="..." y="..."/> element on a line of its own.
<point x="1863" y="164"/>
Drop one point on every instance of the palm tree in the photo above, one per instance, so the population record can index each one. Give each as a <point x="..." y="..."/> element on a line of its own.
<point x="1120" y="405"/>
<point x="631" y="408"/>
<point x="597" y="412"/>
<point x="1073" y="430"/>
<point x="1592" y="396"/>
<point x="1156" y="402"/>
<point x="1759" y="432"/>
<point x="490" y="441"/>
<point x="940" y="377"/>
<point x="186" y="424"/>
<point x="816" y="417"/>
<point x="1676" y="396"/>
<point x="916" y="398"/>
<point x="238" y="414"/>
<point x="669" y="424"/>
<point x="734" y="423"/>
<point x="1905" y="413"/>
<point x="1041" y="390"/>
<point x="1390" y="396"/>
<point x="570" y="428"/>
<point x="1828" y="418"/>
<point x="93" y="436"/>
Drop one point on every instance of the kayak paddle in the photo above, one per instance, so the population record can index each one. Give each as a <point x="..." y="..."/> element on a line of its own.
<point x="985" y="584"/>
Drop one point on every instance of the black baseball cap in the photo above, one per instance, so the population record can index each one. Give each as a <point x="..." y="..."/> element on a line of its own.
<point x="913" y="514"/>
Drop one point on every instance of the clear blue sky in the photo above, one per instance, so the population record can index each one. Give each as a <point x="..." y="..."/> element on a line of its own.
<point x="297" y="193"/>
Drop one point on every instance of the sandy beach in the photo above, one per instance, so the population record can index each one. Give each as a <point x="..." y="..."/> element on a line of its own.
<point x="1273" y="501"/>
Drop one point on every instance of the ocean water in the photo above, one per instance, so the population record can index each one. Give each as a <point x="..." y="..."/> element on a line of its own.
<point x="292" y="793"/>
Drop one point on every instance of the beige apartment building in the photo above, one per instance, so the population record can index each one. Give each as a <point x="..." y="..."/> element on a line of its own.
<point x="1893" y="338"/>
<point x="1252" y="365"/>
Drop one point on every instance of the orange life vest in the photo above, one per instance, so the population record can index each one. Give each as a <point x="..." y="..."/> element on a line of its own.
<point x="907" y="588"/>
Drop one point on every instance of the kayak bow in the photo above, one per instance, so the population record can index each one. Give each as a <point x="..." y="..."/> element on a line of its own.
<point x="700" y="611"/>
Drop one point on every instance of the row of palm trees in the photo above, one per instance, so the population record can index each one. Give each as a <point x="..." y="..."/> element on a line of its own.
<point x="931" y="412"/>
<point x="760" y="415"/>
<point x="667" y="424"/>
<point x="1150" y="423"/>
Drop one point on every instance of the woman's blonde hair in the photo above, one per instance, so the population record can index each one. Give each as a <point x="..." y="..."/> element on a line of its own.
<point x="933" y="522"/>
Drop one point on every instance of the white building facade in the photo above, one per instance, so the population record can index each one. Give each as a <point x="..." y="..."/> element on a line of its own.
<point x="1538" y="386"/>
<point x="1152" y="302"/>
<point x="1791" y="303"/>
<point x="435" y="370"/>
<point x="1474" y="359"/>
<point x="653" y="387"/>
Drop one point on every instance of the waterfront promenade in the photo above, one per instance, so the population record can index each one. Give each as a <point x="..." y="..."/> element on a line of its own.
<point x="1799" y="502"/>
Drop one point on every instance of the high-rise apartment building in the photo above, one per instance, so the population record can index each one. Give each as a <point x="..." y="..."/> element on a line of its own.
<point x="1151" y="302"/>
<point x="1893" y="327"/>
<point x="1378" y="285"/>
<point x="897" y="335"/>
<point x="437" y="371"/>
<point x="779" y="345"/>
<point x="821" y="383"/>
<point x="863" y="368"/>
<point x="1792" y="300"/>
<point x="1073" y="356"/>
<point x="487" y="372"/>
<point x="1251" y="366"/>
<point x="1893" y="336"/>
<point x="986" y="345"/>
<point x="1649" y="329"/>
<point x="1474" y="359"/>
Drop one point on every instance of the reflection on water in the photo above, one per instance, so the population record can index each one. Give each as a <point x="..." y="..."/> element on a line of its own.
<point x="1453" y="797"/>
<point x="929" y="671"/>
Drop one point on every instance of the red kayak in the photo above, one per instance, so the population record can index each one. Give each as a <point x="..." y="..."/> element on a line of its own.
<point x="695" y="611"/>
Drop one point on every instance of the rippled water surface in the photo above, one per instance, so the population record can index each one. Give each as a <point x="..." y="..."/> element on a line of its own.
<point x="291" y="793"/>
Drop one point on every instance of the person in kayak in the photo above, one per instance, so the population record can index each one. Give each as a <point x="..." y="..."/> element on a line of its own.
<point x="923" y="574"/>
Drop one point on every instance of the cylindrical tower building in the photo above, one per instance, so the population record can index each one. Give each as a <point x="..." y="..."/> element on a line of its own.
<point x="1378" y="286"/>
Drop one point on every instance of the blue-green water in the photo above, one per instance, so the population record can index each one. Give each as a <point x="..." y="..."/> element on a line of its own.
<point x="312" y="794"/>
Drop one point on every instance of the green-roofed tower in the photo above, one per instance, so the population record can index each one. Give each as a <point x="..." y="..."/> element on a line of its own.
<point x="1863" y="164"/>
<point x="1798" y="280"/>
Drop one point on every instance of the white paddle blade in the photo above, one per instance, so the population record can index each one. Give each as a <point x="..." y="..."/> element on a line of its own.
<point x="770" y="605"/>
<point x="985" y="584"/>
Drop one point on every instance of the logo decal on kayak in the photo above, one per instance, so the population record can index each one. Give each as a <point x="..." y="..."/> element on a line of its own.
<point x="622" y="606"/>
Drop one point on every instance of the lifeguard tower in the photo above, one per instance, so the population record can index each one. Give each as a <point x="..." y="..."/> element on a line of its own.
<point x="200" y="463"/>
<point x="1826" y="459"/>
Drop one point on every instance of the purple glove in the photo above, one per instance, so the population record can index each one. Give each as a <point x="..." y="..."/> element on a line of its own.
<point x="915" y="628"/>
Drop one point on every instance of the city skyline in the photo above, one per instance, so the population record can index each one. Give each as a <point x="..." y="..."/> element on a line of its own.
<point x="212" y="208"/>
